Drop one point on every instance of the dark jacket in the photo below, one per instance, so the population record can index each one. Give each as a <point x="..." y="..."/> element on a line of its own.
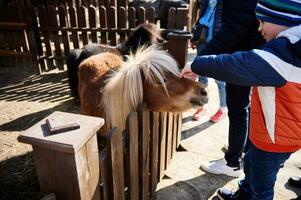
<point x="238" y="31"/>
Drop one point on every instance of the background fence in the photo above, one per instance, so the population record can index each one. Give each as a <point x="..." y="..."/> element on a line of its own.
<point x="37" y="35"/>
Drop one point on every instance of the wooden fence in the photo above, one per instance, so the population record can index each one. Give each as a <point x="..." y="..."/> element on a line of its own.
<point x="43" y="35"/>
<point x="129" y="167"/>
<point x="88" y="25"/>
<point x="146" y="155"/>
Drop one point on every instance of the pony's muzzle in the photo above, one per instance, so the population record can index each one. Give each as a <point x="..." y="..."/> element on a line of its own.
<point x="201" y="97"/>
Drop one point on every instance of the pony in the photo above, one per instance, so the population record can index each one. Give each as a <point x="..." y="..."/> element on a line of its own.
<point x="145" y="34"/>
<point x="161" y="7"/>
<point x="111" y="88"/>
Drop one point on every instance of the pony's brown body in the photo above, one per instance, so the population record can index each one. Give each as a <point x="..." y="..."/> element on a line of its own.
<point x="111" y="88"/>
<point x="145" y="34"/>
<point x="93" y="73"/>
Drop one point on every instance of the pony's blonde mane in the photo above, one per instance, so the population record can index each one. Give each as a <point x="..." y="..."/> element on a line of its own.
<point x="124" y="89"/>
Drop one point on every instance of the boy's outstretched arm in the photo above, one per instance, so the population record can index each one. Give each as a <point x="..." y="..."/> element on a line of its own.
<point x="241" y="68"/>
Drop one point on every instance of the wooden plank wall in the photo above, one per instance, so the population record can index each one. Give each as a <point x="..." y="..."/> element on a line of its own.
<point x="146" y="151"/>
<point x="17" y="46"/>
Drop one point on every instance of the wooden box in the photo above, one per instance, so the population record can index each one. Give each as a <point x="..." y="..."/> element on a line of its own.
<point x="67" y="163"/>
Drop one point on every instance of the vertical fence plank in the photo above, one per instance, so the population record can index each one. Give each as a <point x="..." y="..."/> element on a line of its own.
<point x="82" y="23"/>
<point x="2" y="58"/>
<point x="44" y="24"/>
<point x="73" y="24"/>
<point x="181" y="18"/>
<point x="123" y="3"/>
<point x="179" y="129"/>
<point x="113" y="3"/>
<point x="154" y="150"/>
<point x="132" y="17"/>
<point x="192" y="14"/>
<point x="101" y="3"/>
<point x="53" y="22"/>
<point x="92" y="23"/>
<point x="115" y="146"/>
<point x="18" y="37"/>
<point x="63" y="23"/>
<point x="112" y="25"/>
<point x="171" y="18"/>
<point x="169" y="138"/>
<point x="34" y="39"/>
<point x="122" y="22"/>
<point x="141" y="16"/>
<point x="144" y="153"/>
<point x="36" y="42"/>
<point x="107" y="3"/>
<point x="103" y="23"/>
<point x="162" y="167"/>
<point x="133" y="175"/>
<point x="104" y="175"/>
<point x="174" y="133"/>
<point x="150" y="14"/>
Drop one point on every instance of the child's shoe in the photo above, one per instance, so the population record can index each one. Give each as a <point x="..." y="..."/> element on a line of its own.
<point x="199" y="113"/>
<point x="220" y="114"/>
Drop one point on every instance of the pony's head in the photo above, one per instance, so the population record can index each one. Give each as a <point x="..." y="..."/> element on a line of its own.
<point x="149" y="75"/>
<point x="145" y="34"/>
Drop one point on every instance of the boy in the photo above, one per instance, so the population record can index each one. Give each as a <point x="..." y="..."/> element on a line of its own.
<point x="275" y="125"/>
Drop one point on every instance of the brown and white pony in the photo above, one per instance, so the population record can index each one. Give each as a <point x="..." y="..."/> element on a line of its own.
<point x="146" y="34"/>
<point x="111" y="88"/>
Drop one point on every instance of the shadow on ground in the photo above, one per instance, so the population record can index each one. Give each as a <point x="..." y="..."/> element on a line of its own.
<point x="195" y="129"/>
<point x="198" y="188"/>
<point x="297" y="191"/>
<point x="26" y="121"/>
<point x="18" y="179"/>
<point x="41" y="88"/>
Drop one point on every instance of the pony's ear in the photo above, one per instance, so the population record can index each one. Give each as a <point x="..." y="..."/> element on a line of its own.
<point x="146" y="34"/>
<point x="139" y="37"/>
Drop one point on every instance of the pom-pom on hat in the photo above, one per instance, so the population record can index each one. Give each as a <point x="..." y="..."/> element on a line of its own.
<point x="281" y="12"/>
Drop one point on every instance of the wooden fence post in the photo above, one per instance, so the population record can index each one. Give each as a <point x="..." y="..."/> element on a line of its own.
<point x="178" y="46"/>
<point x="67" y="163"/>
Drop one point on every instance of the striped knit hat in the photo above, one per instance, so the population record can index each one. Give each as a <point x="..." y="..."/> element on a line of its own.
<point x="281" y="12"/>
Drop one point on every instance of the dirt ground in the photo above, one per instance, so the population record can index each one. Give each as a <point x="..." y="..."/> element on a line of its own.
<point x="25" y="99"/>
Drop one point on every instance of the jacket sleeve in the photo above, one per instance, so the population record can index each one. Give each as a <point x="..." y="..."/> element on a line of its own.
<point x="239" y="16"/>
<point x="240" y="68"/>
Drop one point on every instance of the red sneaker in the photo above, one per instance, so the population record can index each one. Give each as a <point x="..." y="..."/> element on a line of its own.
<point x="220" y="114"/>
<point x="198" y="113"/>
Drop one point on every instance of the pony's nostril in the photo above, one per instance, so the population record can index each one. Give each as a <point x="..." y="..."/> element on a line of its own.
<point x="203" y="92"/>
<point x="200" y="101"/>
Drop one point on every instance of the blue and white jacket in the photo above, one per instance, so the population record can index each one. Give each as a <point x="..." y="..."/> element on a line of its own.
<point x="276" y="102"/>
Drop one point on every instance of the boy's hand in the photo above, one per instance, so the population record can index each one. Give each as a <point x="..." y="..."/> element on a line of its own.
<point x="186" y="72"/>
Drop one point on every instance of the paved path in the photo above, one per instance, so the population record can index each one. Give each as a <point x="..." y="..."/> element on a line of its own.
<point x="203" y="141"/>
